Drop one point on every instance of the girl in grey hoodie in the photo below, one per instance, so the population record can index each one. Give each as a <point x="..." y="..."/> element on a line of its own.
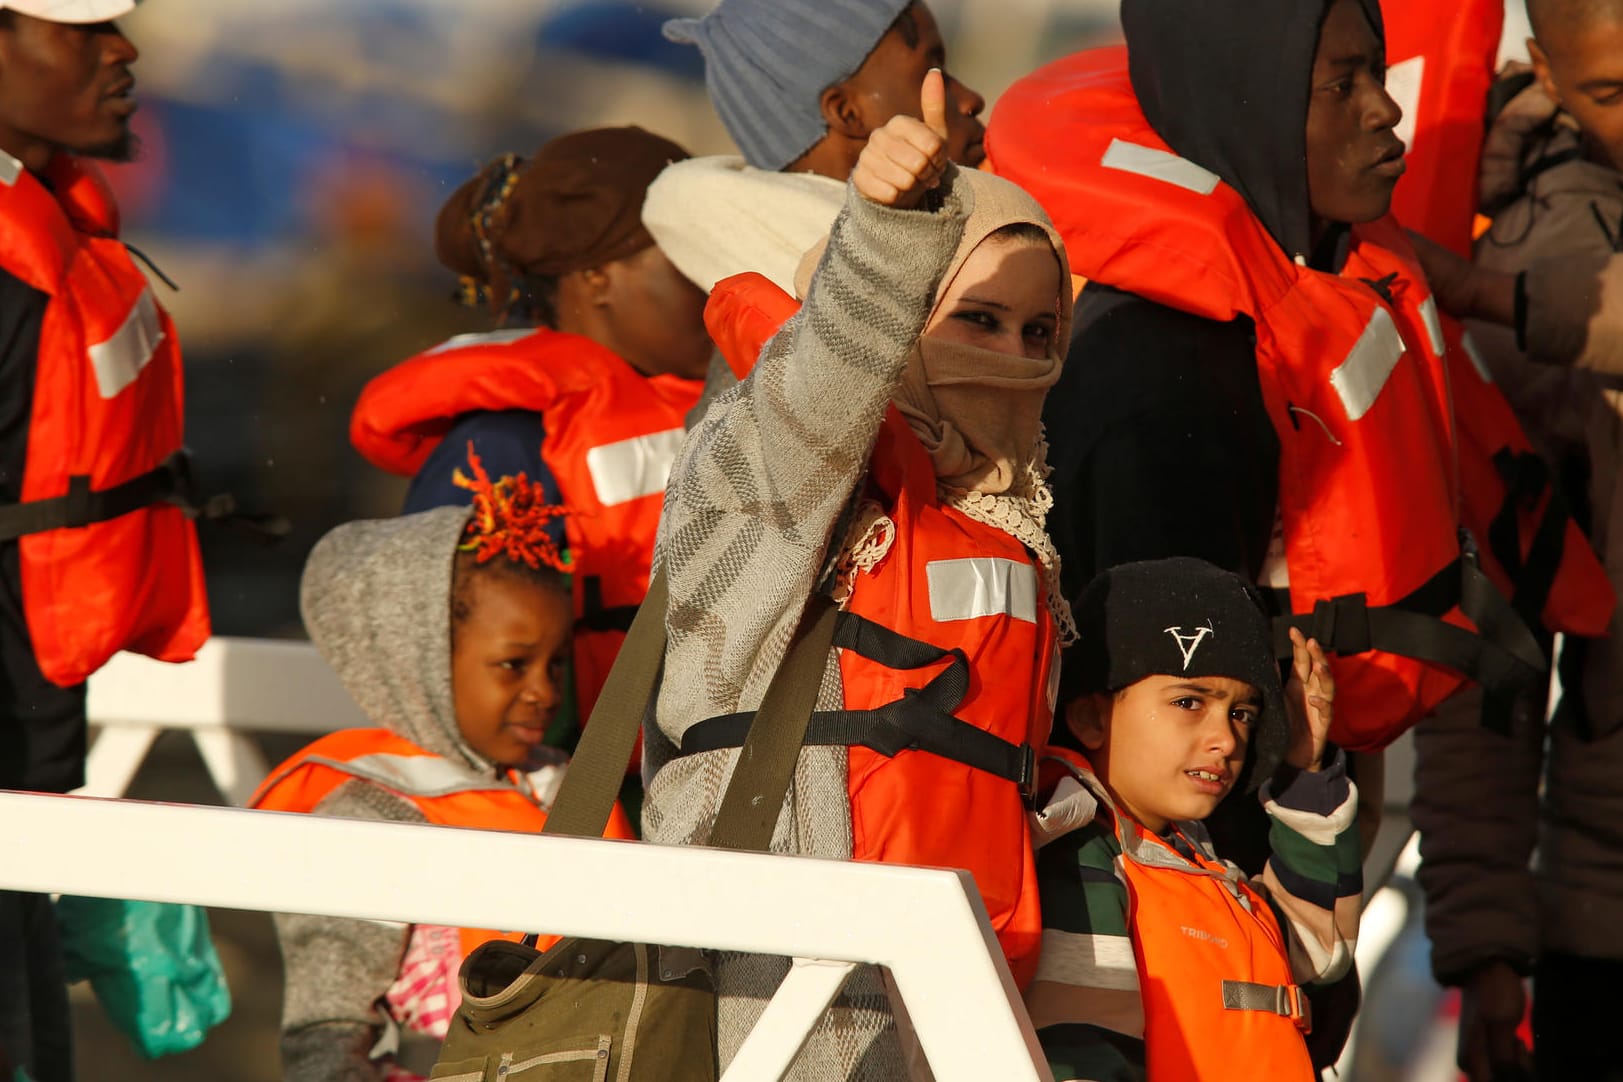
<point x="451" y="630"/>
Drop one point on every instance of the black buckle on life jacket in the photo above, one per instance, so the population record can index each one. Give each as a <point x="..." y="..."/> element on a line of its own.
<point x="1344" y="621"/>
<point x="921" y="719"/>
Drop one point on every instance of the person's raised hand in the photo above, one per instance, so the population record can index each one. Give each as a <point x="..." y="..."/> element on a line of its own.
<point x="1492" y="1003"/>
<point x="905" y="159"/>
<point x="1310" y="696"/>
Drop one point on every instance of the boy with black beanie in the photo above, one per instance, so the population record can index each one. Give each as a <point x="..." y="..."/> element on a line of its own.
<point x="1160" y="960"/>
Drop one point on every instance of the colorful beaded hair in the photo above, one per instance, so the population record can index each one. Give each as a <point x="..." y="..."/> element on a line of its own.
<point x="504" y="174"/>
<point x="509" y="519"/>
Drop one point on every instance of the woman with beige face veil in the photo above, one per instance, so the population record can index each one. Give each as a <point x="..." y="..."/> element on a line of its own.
<point x="886" y="447"/>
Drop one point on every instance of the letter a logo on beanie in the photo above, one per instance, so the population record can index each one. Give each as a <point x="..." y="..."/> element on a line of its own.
<point x="1187" y="643"/>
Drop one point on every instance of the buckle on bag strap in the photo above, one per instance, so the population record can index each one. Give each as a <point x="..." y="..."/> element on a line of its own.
<point x="1285" y="1000"/>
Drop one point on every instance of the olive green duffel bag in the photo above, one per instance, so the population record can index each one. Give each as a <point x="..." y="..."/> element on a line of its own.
<point x="601" y="1011"/>
<point x="587" y="1010"/>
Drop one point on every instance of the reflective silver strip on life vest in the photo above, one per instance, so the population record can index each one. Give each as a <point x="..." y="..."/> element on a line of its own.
<point x="1434" y="326"/>
<point x="1359" y="379"/>
<point x="634" y="468"/>
<point x="119" y="360"/>
<point x="10" y="169"/>
<point x="484" y="338"/>
<point x="1159" y="165"/>
<point x="981" y="586"/>
<point x="413" y="775"/>
<point x="1469" y="345"/>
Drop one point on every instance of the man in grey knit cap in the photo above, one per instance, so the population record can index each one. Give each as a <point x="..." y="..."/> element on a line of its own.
<point x="800" y="85"/>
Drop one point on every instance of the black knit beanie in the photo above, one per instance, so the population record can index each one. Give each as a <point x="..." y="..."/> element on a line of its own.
<point x="1178" y="617"/>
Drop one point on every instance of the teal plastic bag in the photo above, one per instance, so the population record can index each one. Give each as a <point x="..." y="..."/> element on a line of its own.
<point x="152" y="966"/>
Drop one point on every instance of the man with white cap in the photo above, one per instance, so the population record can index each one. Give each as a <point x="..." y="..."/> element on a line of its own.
<point x="95" y="556"/>
<point x="800" y="85"/>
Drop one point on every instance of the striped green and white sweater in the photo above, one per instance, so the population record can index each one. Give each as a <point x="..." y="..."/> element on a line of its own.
<point x="1085" y="1001"/>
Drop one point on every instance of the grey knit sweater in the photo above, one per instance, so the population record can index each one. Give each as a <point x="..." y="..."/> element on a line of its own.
<point x="749" y="513"/>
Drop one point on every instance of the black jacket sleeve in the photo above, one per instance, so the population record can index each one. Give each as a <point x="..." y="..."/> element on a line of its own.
<point x="1159" y="441"/>
<point x="42" y="726"/>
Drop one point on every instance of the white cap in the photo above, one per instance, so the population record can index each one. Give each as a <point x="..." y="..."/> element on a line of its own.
<point x="71" y="11"/>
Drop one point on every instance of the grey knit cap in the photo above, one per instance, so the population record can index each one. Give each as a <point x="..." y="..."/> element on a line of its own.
<point x="768" y="61"/>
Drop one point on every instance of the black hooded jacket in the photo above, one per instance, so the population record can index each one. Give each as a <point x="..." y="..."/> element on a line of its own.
<point x="1158" y="437"/>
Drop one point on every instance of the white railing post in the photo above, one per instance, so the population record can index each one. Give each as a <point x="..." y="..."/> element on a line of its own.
<point x="233" y="761"/>
<point x="116" y="757"/>
<point x="233" y="688"/>
<point x="799" y="1002"/>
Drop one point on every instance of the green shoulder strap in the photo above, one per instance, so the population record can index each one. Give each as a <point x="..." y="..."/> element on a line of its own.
<point x="586" y="799"/>
<point x="766" y="764"/>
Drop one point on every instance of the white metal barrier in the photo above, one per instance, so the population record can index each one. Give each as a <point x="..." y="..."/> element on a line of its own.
<point x="234" y="687"/>
<point x="928" y="927"/>
<point x="237" y="686"/>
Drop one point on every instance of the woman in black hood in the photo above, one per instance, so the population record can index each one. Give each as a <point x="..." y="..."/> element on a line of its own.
<point x="1238" y="87"/>
<point x="1160" y="442"/>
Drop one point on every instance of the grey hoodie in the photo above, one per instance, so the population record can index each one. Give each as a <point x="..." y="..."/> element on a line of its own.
<point x="376" y="602"/>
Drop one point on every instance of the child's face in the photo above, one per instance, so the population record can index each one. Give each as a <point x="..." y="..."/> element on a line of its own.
<point x="507" y="664"/>
<point x="1581" y="67"/>
<point x="1168" y="747"/>
<point x="1002" y="299"/>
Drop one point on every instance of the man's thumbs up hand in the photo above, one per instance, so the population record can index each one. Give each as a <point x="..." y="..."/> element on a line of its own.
<point x="905" y="159"/>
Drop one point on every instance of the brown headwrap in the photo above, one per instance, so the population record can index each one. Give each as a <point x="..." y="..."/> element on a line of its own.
<point x="576" y="205"/>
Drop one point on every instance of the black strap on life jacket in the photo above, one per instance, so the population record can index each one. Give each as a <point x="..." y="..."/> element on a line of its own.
<point x="596" y="616"/>
<point x="1502" y="655"/>
<point x="170" y="482"/>
<point x="921" y="720"/>
<point x="1527" y="478"/>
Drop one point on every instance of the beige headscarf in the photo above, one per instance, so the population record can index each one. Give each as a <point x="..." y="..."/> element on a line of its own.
<point x="978" y="412"/>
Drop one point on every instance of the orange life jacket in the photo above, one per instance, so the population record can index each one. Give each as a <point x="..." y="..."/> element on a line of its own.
<point x="948" y="664"/>
<point x="1214" y="970"/>
<point x="1352" y="377"/>
<point x="975" y="595"/>
<point x="445" y="793"/>
<point x="1440" y="66"/>
<point x="611" y="437"/>
<point x="110" y="562"/>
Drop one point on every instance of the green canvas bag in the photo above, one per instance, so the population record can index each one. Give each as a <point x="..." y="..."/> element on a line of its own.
<point x="600" y="1011"/>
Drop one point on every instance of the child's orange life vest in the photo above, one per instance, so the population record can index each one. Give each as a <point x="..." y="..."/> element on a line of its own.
<point x="948" y="661"/>
<point x="446" y="794"/>
<point x="109" y="562"/>
<point x="1214" y="970"/>
<point x="611" y="438"/>
<point x="1352" y="372"/>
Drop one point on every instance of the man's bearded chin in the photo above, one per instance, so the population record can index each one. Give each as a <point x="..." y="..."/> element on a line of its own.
<point x="123" y="149"/>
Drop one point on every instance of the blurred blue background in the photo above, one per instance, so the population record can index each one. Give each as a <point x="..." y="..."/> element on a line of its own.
<point x="294" y="156"/>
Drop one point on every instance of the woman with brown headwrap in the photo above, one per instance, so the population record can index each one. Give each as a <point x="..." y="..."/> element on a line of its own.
<point x="599" y="353"/>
